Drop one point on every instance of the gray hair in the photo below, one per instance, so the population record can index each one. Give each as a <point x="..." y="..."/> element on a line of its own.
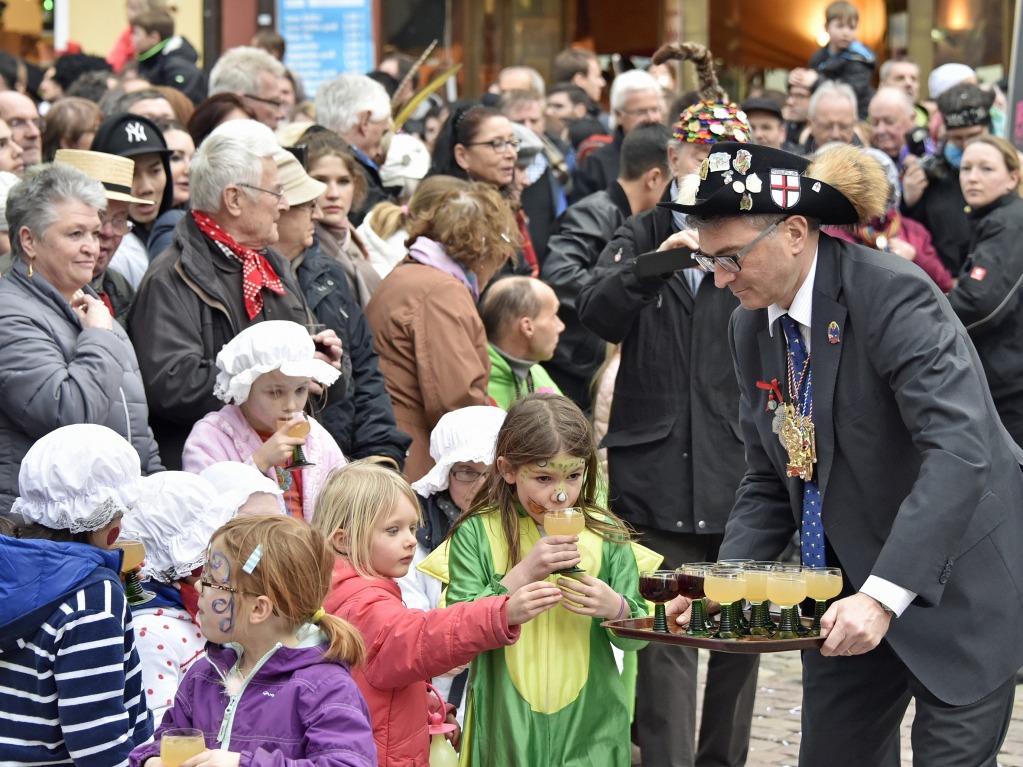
<point x="832" y="88"/>
<point x="237" y="71"/>
<point x="340" y="102"/>
<point x="225" y="158"/>
<point x="633" y="81"/>
<point x="899" y="96"/>
<point x="536" y="82"/>
<point x="33" y="201"/>
<point x="886" y="68"/>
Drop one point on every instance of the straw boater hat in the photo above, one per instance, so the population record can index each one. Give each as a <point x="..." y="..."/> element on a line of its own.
<point x="115" y="173"/>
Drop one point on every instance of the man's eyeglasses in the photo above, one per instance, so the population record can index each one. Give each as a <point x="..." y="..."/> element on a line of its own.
<point x="261" y="100"/>
<point x="221" y="587"/>
<point x="731" y="263"/>
<point x="20" y="122"/>
<point x="278" y="194"/>
<point x="499" y="145"/>
<point x="120" y="224"/>
<point x="466" y="475"/>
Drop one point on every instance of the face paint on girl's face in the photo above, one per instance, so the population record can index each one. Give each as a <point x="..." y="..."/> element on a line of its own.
<point x="546" y="485"/>
<point x="216" y="606"/>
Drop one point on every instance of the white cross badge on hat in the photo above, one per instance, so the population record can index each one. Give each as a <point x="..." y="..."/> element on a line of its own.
<point x="784" y="187"/>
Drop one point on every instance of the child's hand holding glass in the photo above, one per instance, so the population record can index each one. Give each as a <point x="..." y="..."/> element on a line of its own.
<point x="531" y="600"/>
<point x="586" y="595"/>
<point x="551" y="553"/>
<point x="277" y="450"/>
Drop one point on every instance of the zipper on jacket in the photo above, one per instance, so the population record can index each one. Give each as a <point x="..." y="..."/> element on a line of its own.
<point x="224" y="736"/>
<point x="127" y="417"/>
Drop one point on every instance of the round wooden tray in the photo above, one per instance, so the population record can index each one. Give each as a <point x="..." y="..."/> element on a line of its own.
<point x="641" y="628"/>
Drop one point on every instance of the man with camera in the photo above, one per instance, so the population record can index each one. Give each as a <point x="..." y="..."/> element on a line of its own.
<point x="930" y="190"/>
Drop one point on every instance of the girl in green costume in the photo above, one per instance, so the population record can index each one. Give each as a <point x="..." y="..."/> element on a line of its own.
<point x="555" y="696"/>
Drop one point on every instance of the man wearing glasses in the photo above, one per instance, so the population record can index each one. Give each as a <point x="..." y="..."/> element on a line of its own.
<point x="635" y="100"/>
<point x="869" y="429"/>
<point x="26" y="125"/>
<point x="254" y="75"/>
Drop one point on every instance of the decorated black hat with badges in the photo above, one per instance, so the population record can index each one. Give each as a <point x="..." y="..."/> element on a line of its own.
<point x="739" y="179"/>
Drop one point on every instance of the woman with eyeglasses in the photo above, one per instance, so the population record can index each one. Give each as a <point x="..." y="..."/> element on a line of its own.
<point x="478" y="143"/>
<point x="64" y="360"/>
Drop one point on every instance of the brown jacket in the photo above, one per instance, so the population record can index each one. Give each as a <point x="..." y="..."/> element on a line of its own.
<point x="433" y="352"/>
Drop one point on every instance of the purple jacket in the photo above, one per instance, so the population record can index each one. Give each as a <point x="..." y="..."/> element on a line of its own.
<point x="297" y="710"/>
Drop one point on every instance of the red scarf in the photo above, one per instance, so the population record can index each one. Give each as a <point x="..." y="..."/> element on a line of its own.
<point x="528" y="252"/>
<point x="257" y="273"/>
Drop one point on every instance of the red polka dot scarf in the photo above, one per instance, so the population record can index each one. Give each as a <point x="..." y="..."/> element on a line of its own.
<point x="257" y="273"/>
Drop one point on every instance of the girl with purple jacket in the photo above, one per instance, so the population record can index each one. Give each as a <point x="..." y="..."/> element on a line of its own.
<point x="275" y="686"/>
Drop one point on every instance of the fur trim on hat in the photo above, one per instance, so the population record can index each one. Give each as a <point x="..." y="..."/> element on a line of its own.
<point x="858" y="176"/>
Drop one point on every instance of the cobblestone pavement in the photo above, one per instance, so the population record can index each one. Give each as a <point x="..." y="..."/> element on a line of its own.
<point x="775" y="737"/>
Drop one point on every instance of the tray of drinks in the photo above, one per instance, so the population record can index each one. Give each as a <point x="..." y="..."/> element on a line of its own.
<point x="642" y="628"/>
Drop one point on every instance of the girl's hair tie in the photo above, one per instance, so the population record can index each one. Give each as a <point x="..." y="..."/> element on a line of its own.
<point x="318" y="614"/>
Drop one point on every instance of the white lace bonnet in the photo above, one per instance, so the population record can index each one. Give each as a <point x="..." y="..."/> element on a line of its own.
<point x="266" y="346"/>
<point x="234" y="482"/>
<point x="78" y="478"/>
<point x="176" y="517"/>
<point x="468" y="434"/>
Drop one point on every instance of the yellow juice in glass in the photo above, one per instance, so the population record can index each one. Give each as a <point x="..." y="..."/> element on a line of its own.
<point x="175" y="749"/>
<point x="298" y="430"/>
<point x="134" y="553"/>
<point x="822" y="586"/>
<point x="725" y="591"/>
<point x="565" y="522"/>
<point x="786" y="590"/>
<point x="756" y="585"/>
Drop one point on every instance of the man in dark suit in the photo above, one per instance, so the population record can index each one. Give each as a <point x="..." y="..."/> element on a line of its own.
<point x="913" y="487"/>
<point x="673" y="449"/>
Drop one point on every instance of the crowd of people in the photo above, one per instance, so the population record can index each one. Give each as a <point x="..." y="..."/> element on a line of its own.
<point x="332" y="372"/>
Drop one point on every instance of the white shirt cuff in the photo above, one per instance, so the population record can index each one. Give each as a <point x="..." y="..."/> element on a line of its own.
<point x="888" y="594"/>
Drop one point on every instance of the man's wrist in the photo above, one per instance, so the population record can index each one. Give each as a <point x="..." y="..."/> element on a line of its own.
<point x="884" y="608"/>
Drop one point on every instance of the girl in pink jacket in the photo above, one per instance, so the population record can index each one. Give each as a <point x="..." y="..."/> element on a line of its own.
<point x="369" y="514"/>
<point x="266" y="372"/>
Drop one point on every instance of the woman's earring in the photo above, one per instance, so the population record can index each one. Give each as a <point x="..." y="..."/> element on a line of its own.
<point x="30" y="270"/>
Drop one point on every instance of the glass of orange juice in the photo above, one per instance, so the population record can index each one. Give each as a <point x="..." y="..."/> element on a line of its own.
<point x="727" y="586"/>
<point x="822" y="584"/>
<point x="756" y="595"/>
<point x="134" y="550"/>
<point x="787" y="588"/>
<point x="298" y="460"/>
<point x="180" y="744"/>
<point x="570" y="521"/>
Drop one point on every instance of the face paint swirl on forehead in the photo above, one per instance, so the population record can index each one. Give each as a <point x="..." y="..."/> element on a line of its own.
<point x="222" y="606"/>
<point x="559" y="464"/>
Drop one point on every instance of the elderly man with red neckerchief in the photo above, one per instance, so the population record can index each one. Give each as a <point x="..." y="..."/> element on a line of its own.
<point x="219" y="276"/>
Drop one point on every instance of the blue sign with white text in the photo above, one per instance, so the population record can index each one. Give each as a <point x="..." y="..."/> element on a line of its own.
<point x="326" y="38"/>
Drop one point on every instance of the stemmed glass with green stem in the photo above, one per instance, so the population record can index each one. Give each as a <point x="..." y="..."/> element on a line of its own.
<point x="786" y="587"/>
<point x="756" y="595"/>
<point x="738" y="618"/>
<point x="690" y="585"/>
<point x="726" y="586"/>
<point x="659" y="586"/>
<point x="822" y="584"/>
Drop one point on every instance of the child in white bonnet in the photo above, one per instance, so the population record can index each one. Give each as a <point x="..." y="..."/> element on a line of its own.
<point x="175" y="519"/>
<point x="266" y="372"/>
<point x="242" y="488"/>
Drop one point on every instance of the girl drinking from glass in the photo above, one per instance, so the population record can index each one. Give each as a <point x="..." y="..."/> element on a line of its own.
<point x="370" y="514"/>
<point x="266" y="374"/>
<point x="274" y="687"/>
<point x="556" y="696"/>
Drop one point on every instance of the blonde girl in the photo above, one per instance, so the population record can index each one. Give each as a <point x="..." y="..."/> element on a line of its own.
<point x="275" y="684"/>
<point x="556" y="697"/>
<point x="370" y="514"/>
